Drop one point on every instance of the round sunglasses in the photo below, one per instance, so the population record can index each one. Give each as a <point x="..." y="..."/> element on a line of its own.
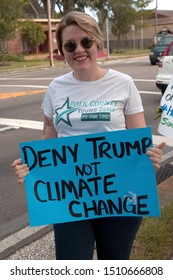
<point x="86" y="43"/>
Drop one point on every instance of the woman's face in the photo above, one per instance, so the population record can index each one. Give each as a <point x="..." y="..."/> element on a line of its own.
<point x="82" y="60"/>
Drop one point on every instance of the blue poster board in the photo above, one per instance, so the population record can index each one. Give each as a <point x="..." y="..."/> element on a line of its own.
<point x="90" y="176"/>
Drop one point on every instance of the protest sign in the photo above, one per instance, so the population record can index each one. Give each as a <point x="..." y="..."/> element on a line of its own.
<point x="166" y="122"/>
<point x="90" y="176"/>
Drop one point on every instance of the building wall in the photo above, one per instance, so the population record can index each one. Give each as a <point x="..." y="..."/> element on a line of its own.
<point x="138" y="38"/>
<point x="17" y="46"/>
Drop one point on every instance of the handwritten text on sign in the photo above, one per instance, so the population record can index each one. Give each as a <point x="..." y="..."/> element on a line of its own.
<point x="166" y="122"/>
<point x="90" y="176"/>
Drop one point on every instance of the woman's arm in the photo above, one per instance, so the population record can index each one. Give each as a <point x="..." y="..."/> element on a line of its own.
<point x="22" y="169"/>
<point x="48" y="129"/>
<point x="135" y="120"/>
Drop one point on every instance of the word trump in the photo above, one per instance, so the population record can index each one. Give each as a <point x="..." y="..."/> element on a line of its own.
<point x="99" y="146"/>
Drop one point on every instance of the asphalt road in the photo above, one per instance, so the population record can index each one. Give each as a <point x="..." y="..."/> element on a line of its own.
<point x="21" y="93"/>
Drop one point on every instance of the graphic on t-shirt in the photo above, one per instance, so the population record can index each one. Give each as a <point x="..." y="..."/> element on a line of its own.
<point x="93" y="110"/>
<point x="62" y="113"/>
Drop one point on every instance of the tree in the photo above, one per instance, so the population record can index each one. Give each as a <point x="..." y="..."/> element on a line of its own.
<point x="121" y="13"/>
<point x="33" y="34"/>
<point x="65" y="6"/>
<point x="122" y="16"/>
<point x="10" y="13"/>
<point x="142" y="13"/>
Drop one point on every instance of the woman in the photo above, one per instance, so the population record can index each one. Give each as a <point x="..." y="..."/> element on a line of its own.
<point x="67" y="106"/>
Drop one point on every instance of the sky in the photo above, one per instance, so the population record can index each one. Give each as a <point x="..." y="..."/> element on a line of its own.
<point x="162" y="5"/>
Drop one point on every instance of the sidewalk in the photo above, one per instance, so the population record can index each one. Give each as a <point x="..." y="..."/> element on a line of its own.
<point x="43" y="246"/>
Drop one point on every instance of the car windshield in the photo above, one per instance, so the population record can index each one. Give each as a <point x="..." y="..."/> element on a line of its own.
<point x="165" y="40"/>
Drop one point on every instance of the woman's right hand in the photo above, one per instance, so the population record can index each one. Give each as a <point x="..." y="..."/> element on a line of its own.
<point x="21" y="170"/>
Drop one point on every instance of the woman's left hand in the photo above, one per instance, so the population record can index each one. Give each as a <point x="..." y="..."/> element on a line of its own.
<point x="156" y="154"/>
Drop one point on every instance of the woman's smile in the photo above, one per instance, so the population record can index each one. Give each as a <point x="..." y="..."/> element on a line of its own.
<point x="81" y="58"/>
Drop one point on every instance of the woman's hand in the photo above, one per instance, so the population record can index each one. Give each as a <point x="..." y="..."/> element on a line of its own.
<point x="156" y="154"/>
<point x="21" y="170"/>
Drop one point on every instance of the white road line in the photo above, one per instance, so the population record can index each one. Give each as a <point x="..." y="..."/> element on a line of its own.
<point x="23" y="79"/>
<point x="144" y="80"/>
<point x="151" y="92"/>
<point x="39" y="126"/>
<point x="22" y="123"/>
<point x="23" y="86"/>
<point x="8" y="128"/>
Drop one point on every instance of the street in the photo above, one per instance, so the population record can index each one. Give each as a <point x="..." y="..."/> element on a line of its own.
<point x="21" y="94"/>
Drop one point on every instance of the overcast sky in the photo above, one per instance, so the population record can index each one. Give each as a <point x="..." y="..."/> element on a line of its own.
<point x="162" y="5"/>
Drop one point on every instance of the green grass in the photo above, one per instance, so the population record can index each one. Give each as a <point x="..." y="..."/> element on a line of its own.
<point x="29" y="63"/>
<point x="131" y="52"/>
<point x="154" y="240"/>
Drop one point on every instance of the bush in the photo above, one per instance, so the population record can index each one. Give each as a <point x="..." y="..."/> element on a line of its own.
<point x="12" y="57"/>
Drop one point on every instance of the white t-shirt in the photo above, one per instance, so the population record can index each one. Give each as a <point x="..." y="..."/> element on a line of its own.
<point x="82" y="107"/>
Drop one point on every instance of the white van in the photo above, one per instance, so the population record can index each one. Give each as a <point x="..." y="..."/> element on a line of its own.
<point x="165" y="72"/>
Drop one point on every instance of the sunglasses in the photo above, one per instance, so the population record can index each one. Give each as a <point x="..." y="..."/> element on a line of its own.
<point x="86" y="43"/>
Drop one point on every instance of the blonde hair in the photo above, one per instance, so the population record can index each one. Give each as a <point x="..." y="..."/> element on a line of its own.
<point x="85" y="22"/>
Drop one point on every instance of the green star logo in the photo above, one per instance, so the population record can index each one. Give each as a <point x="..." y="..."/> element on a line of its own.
<point x="63" y="113"/>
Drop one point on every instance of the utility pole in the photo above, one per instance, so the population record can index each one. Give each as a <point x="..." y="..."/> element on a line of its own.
<point x="156" y="22"/>
<point x="50" y="34"/>
<point x="133" y="36"/>
<point x="107" y="36"/>
<point x="142" y="31"/>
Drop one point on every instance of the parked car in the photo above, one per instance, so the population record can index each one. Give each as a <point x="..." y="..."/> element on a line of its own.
<point x="165" y="71"/>
<point x="158" y="50"/>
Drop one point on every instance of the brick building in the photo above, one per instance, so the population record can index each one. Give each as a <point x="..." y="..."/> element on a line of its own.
<point x="38" y="15"/>
<point x="156" y="27"/>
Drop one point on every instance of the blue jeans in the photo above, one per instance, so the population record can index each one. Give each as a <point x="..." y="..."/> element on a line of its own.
<point x="114" y="238"/>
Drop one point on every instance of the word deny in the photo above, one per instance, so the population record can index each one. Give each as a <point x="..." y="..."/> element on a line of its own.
<point x="100" y="148"/>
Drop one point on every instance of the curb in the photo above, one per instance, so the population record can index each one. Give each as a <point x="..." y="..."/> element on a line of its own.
<point x="22" y="238"/>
